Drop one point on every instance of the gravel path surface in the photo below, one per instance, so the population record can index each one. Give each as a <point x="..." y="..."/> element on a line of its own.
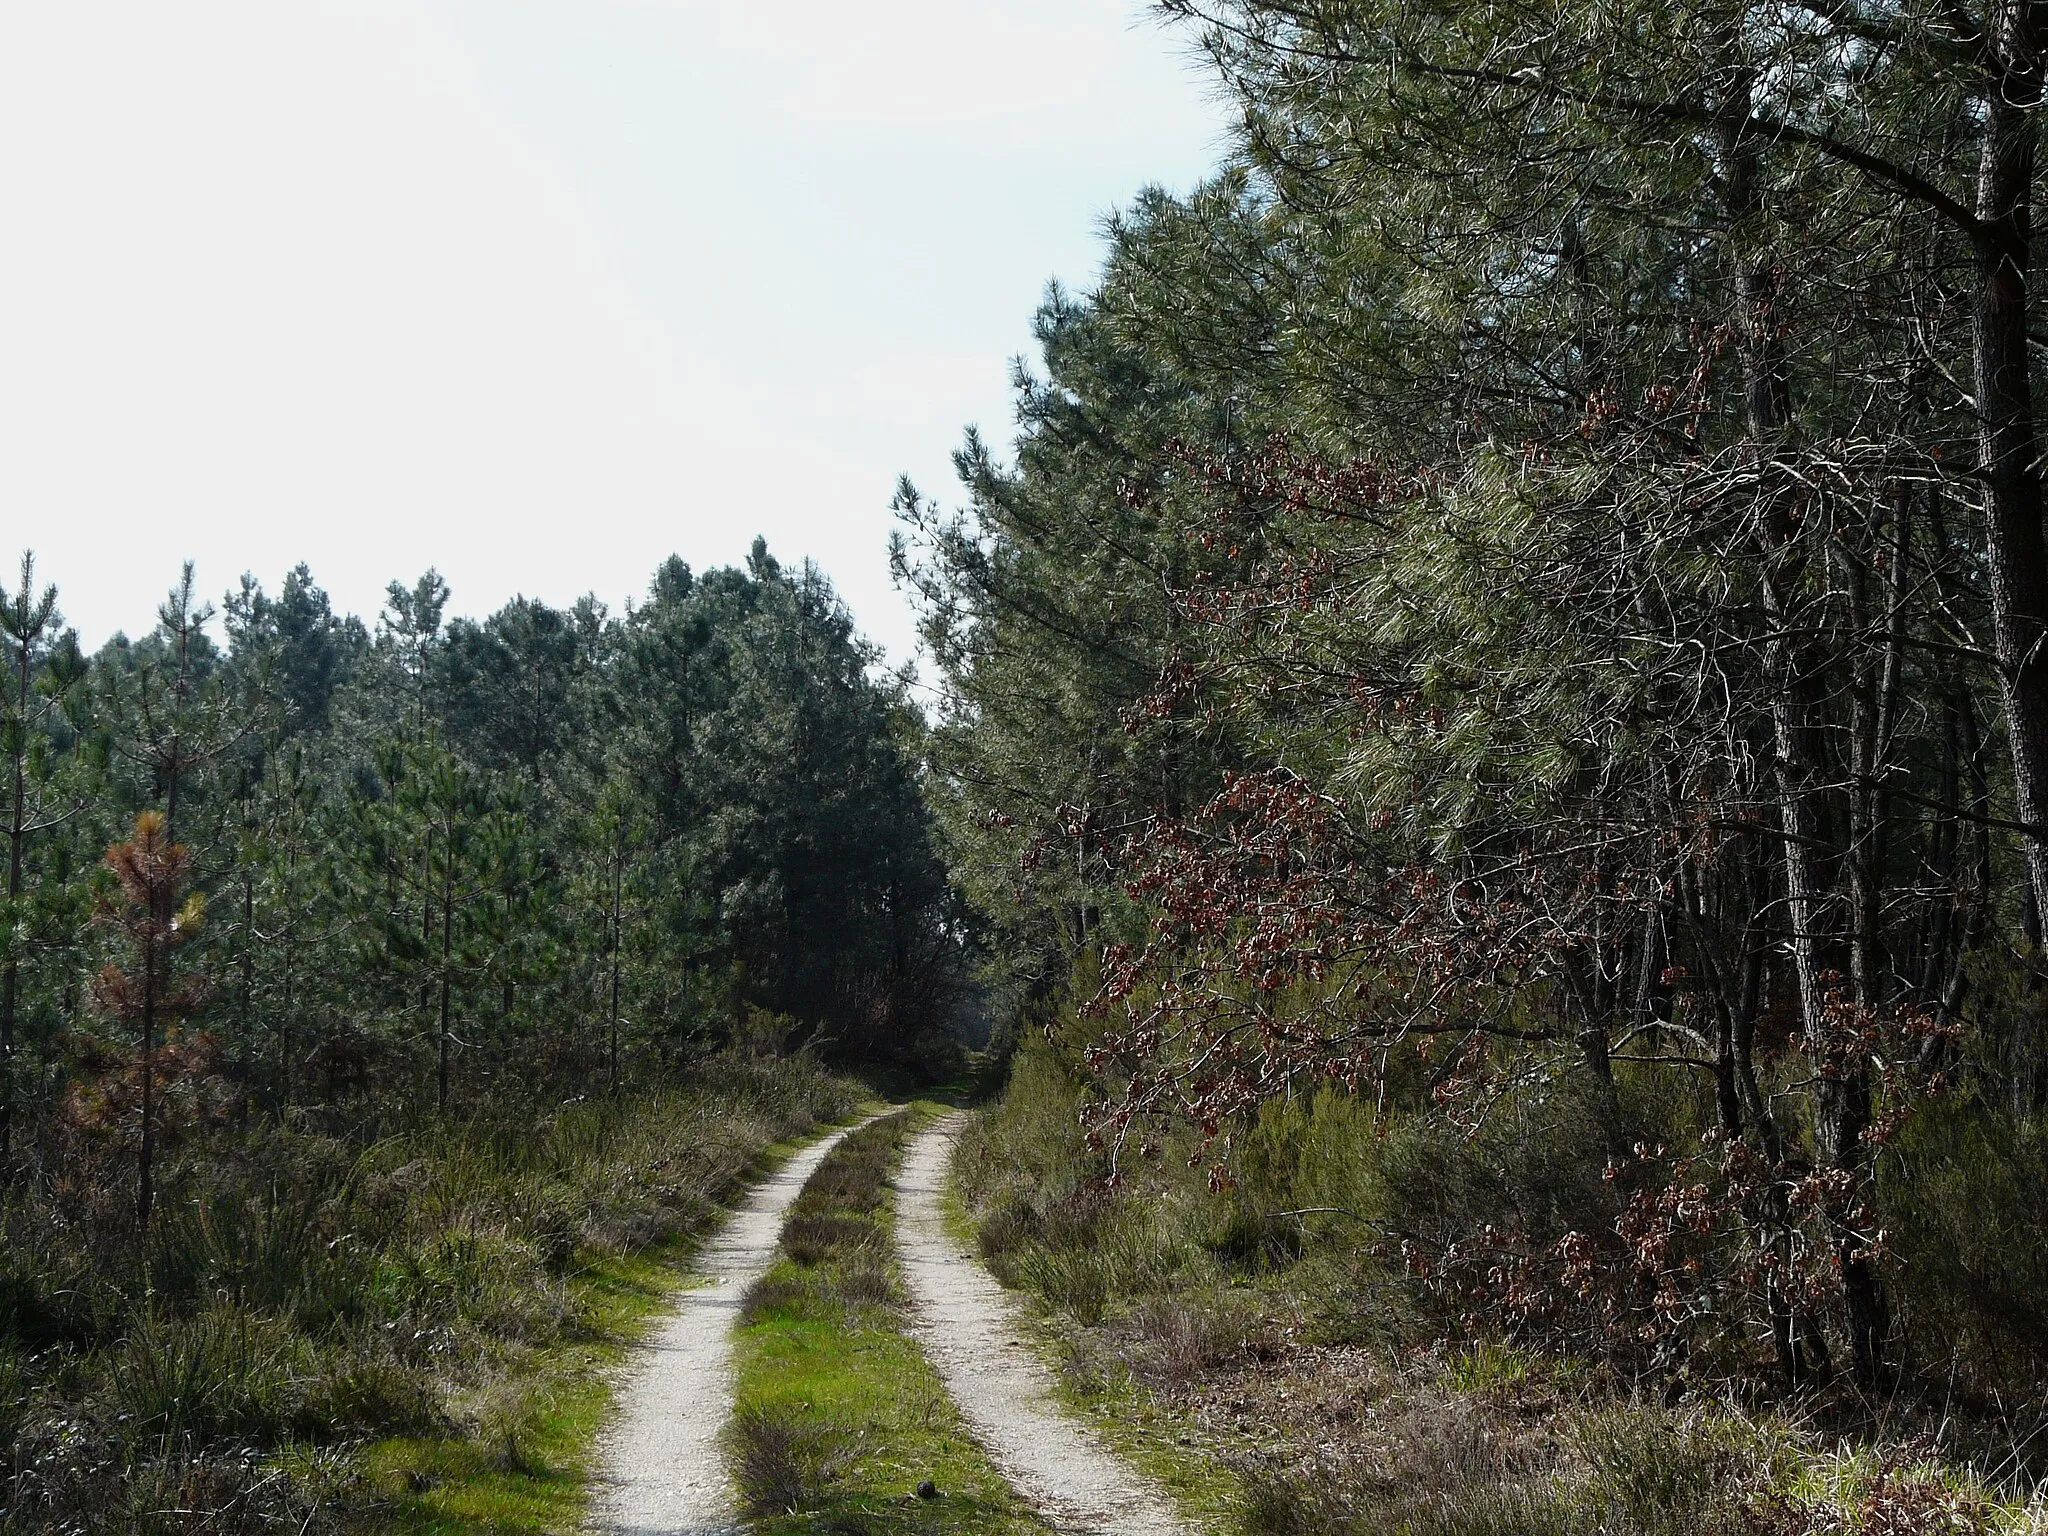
<point x="974" y="1336"/>
<point x="662" y="1474"/>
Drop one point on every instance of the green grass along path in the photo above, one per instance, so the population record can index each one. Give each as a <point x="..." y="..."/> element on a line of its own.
<point x="661" y="1471"/>
<point x="945" y="1387"/>
<point x="842" y="1426"/>
<point x="973" y="1336"/>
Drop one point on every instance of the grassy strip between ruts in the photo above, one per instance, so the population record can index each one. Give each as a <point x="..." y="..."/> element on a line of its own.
<point x="840" y="1418"/>
<point x="530" y="1472"/>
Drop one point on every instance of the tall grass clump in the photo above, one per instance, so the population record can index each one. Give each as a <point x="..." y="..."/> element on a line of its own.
<point x="300" y="1293"/>
<point x="1050" y="1220"/>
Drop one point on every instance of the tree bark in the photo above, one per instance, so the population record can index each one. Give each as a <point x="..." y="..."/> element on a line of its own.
<point x="16" y="832"/>
<point x="447" y="931"/>
<point x="145" y="1196"/>
<point x="1842" y="1102"/>
<point x="2016" y="562"/>
<point x="618" y="879"/>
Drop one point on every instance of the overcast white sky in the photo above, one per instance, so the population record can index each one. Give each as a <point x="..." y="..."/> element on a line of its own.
<point x="535" y="291"/>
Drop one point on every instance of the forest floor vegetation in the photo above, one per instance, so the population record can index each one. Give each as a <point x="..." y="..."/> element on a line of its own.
<point x="1283" y="1383"/>
<point x="412" y="1332"/>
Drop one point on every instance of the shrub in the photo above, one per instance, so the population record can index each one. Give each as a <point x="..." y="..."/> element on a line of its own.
<point x="1660" y="1474"/>
<point x="1175" y="1339"/>
<point x="814" y="1236"/>
<point x="1964" y="1192"/>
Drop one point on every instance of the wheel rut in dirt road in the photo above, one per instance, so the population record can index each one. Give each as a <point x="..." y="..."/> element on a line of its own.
<point x="974" y="1334"/>
<point x="661" y="1473"/>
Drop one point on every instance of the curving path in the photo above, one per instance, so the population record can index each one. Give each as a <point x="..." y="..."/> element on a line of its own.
<point x="661" y="1470"/>
<point x="973" y="1335"/>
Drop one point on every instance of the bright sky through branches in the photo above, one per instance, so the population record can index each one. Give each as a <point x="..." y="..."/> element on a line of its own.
<point x="535" y="291"/>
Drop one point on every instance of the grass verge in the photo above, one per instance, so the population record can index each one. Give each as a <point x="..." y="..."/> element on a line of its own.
<point x="840" y="1419"/>
<point x="1282" y="1382"/>
<point x="524" y="1459"/>
<point x="405" y="1333"/>
<point x="1170" y="1446"/>
<point x="525" y="1466"/>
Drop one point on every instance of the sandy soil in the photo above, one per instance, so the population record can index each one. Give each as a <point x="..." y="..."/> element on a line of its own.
<point x="972" y="1333"/>
<point x="662" y="1475"/>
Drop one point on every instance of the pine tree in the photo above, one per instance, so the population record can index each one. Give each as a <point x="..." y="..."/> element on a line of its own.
<point x="154" y="915"/>
<point x="40" y="678"/>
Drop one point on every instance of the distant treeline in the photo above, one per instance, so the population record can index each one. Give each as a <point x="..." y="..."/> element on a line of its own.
<point x="401" y="865"/>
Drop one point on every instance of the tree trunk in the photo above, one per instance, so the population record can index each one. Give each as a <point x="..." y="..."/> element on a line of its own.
<point x="618" y="878"/>
<point x="248" y="968"/>
<point x="2016" y="562"/>
<point x="1842" y="1103"/>
<point x="146" y="1152"/>
<point x="284" y="1035"/>
<point x="447" y="930"/>
<point x="16" y="831"/>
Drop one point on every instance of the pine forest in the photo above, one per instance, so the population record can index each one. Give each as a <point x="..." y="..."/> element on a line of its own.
<point x="1460" y="873"/>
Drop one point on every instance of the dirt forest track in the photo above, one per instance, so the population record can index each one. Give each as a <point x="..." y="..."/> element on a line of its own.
<point x="972" y="1333"/>
<point x="661" y="1469"/>
<point x="662" y="1474"/>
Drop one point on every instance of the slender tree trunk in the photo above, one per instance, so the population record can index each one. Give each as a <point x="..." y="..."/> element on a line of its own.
<point x="1842" y="1102"/>
<point x="291" y="938"/>
<point x="1767" y="405"/>
<point x="284" y="1032"/>
<point x="146" y="1154"/>
<point x="508" y="990"/>
<point x="427" y="908"/>
<point x="248" y="1041"/>
<point x="447" y="930"/>
<point x="2016" y="560"/>
<point x="172" y="774"/>
<point x="1750" y="1001"/>
<point x="1692" y="904"/>
<point x="618" y="880"/>
<point x="17" y="823"/>
<point x="1875" y="717"/>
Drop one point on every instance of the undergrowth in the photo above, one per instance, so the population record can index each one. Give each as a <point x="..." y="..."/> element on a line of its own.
<point x="842" y="1427"/>
<point x="1256" y="1347"/>
<point x="323" y="1335"/>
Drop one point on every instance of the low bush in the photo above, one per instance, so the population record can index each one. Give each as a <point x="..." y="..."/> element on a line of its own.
<point x="1626" y="1472"/>
<point x="813" y="1237"/>
<point x="1965" y="1196"/>
<point x="1176" y="1339"/>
